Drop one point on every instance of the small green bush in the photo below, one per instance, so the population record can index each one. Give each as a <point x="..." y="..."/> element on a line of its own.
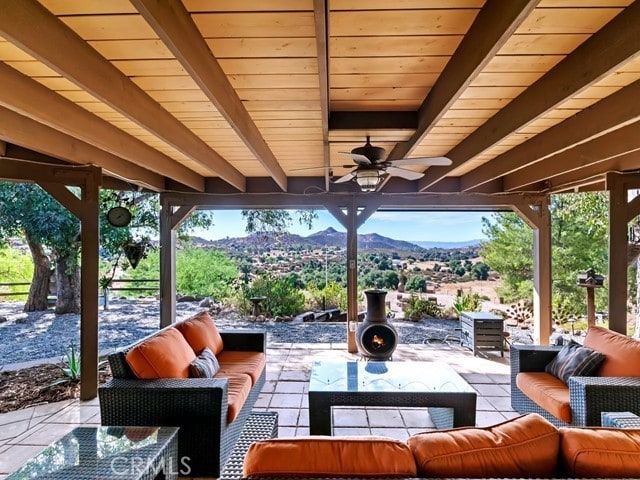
<point x="334" y="295"/>
<point x="282" y="297"/>
<point x="419" y="308"/>
<point x="468" y="302"/>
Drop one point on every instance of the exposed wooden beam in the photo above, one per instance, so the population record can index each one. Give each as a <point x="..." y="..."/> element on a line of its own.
<point x="174" y="25"/>
<point x="404" y="202"/>
<point x="600" y="149"/>
<point x="613" y="45"/>
<point x="27" y="171"/>
<point x="3" y="148"/>
<point x="23" y="131"/>
<point x="60" y="48"/>
<point x="322" y="35"/>
<point x="64" y="196"/>
<point x="493" y="26"/>
<point x="373" y="121"/>
<point x="594" y="173"/>
<point x="32" y="99"/>
<point x="611" y="112"/>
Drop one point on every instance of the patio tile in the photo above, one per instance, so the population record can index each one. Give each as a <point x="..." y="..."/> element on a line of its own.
<point x="16" y="456"/>
<point x="302" y="431"/>
<point x="295" y="375"/>
<point x="397" y="433"/>
<point x="489" y="390"/>
<point x="75" y="414"/>
<point x="387" y="417"/>
<point x="287" y="417"/>
<point x="483" y="404"/>
<point x="14" y="429"/>
<point x="47" y="434"/>
<point x="269" y="386"/>
<point x="501" y="403"/>
<point x="416" y="418"/>
<point x="51" y="408"/>
<point x="290" y="387"/>
<point x="280" y="400"/>
<point x="477" y="378"/>
<point x="503" y="379"/>
<point x="284" y="432"/>
<point x="16" y="416"/>
<point x="263" y="400"/>
<point x="359" y="431"/>
<point x="511" y="414"/>
<point x="303" y="419"/>
<point x="485" y="419"/>
<point x="350" y="417"/>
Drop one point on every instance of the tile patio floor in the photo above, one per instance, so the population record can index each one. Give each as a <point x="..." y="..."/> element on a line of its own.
<point x="24" y="433"/>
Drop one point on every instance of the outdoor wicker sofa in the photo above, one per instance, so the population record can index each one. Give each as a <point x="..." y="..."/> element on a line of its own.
<point x="198" y="406"/>
<point x="587" y="396"/>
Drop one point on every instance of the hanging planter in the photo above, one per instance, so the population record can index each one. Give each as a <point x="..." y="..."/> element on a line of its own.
<point x="135" y="251"/>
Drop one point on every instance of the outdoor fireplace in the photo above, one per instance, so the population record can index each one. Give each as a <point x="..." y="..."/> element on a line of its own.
<point x="376" y="338"/>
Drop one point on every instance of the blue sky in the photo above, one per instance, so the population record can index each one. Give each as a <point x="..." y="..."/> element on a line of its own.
<point x="410" y="226"/>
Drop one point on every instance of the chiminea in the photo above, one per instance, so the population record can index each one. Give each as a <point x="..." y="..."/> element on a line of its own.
<point x="376" y="338"/>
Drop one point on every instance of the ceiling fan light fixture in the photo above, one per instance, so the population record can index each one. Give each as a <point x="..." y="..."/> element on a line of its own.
<point x="368" y="180"/>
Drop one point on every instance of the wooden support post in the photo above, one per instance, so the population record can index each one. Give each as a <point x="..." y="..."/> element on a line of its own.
<point x="170" y="220"/>
<point x="539" y="219"/>
<point x="591" y="307"/>
<point x="617" y="276"/>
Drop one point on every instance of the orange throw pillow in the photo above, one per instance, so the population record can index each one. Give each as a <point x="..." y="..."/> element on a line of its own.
<point x="600" y="452"/>
<point x="320" y="456"/>
<point x="165" y="355"/>
<point x="200" y="331"/>
<point x="526" y="446"/>
<point x="621" y="353"/>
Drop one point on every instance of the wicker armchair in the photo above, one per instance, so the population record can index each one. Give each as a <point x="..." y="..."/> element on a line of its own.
<point x="589" y="396"/>
<point x="197" y="405"/>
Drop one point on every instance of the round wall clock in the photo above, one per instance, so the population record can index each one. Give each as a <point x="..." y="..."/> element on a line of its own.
<point x="119" y="216"/>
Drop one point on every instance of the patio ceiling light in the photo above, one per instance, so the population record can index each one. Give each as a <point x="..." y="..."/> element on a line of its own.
<point x="368" y="179"/>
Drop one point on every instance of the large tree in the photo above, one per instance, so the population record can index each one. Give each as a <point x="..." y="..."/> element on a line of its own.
<point x="579" y="225"/>
<point x="28" y="211"/>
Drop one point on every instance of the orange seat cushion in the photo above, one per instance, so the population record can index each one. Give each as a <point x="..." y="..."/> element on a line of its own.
<point x="525" y="446"/>
<point x="600" y="452"/>
<point x="622" y="353"/>
<point x="549" y="392"/>
<point x="200" y="331"/>
<point x="238" y="390"/>
<point x="320" y="456"/>
<point x="251" y="363"/>
<point x="165" y="355"/>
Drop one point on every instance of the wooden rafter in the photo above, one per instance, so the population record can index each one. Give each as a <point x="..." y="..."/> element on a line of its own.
<point x="320" y="20"/>
<point x="32" y="99"/>
<point x="613" y="45"/>
<point x="61" y="49"/>
<point x="493" y="26"/>
<point x="15" y="128"/>
<point x="173" y="24"/>
<point x="609" y="113"/>
<point x="619" y="142"/>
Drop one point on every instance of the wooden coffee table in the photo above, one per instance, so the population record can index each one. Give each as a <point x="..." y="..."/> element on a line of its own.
<point x="390" y="384"/>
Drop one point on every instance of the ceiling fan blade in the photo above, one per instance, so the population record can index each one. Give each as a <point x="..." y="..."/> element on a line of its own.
<point x="345" y="178"/>
<point x="439" y="161"/>
<point x="359" y="159"/>
<point x="403" y="173"/>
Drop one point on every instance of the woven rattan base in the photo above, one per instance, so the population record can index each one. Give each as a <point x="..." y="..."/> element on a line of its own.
<point x="259" y="426"/>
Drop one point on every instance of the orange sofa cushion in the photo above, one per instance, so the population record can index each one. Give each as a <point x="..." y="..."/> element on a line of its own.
<point x="525" y="446"/>
<point x="320" y="456"/>
<point x="600" y="452"/>
<point x="200" y="331"/>
<point x="165" y="355"/>
<point x="622" y="353"/>
<point x="238" y="390"/>
<point x="549" y="392"/>
<point x="251" y="363"/>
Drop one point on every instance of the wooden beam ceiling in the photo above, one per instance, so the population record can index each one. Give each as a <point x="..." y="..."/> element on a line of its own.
<point x="614" y="111"/>
<point x="15" y="128"/>
<point x="61" y="49"/>
<point x="619" y="142"/>
<point x="613" y="45"/>
<point x="492" y="28"/>
<point x="320" y="20"/>
<point x="174" y="25"/>
<point x="32" y="99"/>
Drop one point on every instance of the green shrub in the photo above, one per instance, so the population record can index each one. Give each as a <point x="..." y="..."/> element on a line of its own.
<point x="468" y="302"/>
<point x="282" y="297"/>
<point x="419" y="308"/>
<point x="334" y="295"/>
<point x="15" y="267"/>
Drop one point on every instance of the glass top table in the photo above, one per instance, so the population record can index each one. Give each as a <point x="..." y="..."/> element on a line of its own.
<point x="107" y="453"/>
<point x="392" y="384"/>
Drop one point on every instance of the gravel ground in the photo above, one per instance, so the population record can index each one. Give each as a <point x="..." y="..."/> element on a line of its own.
<point x="28" y="337"/>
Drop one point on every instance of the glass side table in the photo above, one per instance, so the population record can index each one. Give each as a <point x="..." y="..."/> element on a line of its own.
<point x="143" y="453"/>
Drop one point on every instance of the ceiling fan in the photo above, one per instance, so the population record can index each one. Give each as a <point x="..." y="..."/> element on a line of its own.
<point x="371" y="166"/>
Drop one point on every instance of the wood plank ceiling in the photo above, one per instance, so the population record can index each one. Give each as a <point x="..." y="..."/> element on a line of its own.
<point x="213" y="95"/>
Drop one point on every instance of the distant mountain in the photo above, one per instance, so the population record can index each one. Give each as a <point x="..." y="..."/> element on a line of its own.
<point x="448" y="245"/>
